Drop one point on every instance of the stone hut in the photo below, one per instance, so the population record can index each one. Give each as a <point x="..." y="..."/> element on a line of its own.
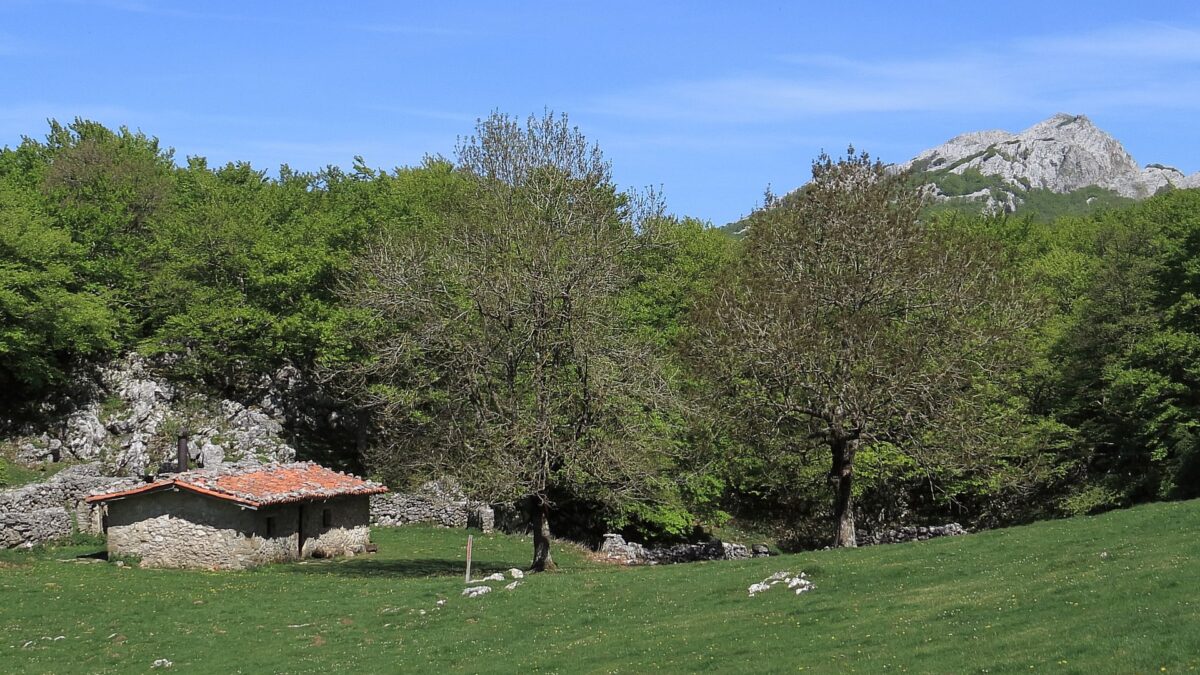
<point x="238" y="517"/>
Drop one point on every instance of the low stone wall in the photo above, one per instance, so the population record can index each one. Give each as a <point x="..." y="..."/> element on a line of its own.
<point x="42" y="512"/>
<point x="26" y="529"/>
<point x="900" y="535"/>
<point x="614" y="547"/>
<point x="435" y="503"/>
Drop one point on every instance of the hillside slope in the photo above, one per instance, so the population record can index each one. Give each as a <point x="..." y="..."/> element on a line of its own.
<point x="1111" y="593"/>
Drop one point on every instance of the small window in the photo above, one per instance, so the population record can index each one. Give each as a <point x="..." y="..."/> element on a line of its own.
<point x="326" y="518"/>
<point x="270" y="527"/>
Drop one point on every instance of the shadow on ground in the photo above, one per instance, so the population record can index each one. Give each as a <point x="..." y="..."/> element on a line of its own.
<point x="373" y="567"/>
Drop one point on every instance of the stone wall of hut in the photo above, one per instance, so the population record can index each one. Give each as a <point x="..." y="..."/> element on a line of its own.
<point x="184" y="529"/>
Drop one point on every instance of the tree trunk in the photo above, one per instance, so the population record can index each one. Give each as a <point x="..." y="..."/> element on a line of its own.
<point x="841" y="476"/>
<point x="541" y="536"/>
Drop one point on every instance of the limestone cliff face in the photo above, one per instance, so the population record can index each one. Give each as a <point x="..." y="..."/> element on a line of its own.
<point x="1061" y="154"/>
<point x="129" y="420"/>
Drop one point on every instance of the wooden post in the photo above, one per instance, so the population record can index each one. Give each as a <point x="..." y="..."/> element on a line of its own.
<point x="467" y="579"/>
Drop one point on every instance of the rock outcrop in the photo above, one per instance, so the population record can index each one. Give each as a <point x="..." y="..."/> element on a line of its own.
<point x="123" y="426"/>
<point x="131" y="418"/>
<point x="1061" y="154"/>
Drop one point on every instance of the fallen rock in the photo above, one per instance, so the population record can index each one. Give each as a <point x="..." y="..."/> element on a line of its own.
<point x="799" y="583"/>
<point x="476" y="591"/>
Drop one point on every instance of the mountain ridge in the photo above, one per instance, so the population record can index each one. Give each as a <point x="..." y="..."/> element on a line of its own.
<point x="1062" y="164"/>
<point x="1061" y="154"/>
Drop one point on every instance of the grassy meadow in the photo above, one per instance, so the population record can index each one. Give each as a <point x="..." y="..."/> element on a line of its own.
<point x="1113" y="593"/>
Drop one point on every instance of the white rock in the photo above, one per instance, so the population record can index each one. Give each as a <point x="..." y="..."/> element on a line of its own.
<point x="516" y="573"/>
<point x="799" y="583"/>
<point x="476" y="591"/>
<point x="1061" y="154"/>
<point x="513" y="585"/>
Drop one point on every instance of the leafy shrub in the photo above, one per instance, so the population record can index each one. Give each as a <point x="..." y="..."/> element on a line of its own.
<point x="1092" y="499"/>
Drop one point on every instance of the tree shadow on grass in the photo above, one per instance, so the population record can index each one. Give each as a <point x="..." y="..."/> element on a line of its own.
<point x="369" y="567"/>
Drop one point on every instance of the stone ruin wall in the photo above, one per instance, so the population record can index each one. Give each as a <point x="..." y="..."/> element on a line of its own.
<point x="908" y="533"/>
<point x="435" y="503"/>
<point x="43" y="512"/>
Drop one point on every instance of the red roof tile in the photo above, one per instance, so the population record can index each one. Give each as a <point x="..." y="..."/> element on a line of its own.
<point x="260" y="485"/>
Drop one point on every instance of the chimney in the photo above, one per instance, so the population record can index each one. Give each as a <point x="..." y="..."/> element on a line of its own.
<point x="181" y="461"/>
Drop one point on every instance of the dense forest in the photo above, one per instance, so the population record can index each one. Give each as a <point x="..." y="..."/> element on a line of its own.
<point x="511" y="317"/>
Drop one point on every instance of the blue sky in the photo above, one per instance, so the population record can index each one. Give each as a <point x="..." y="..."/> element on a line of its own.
<point x="712" y="101"/>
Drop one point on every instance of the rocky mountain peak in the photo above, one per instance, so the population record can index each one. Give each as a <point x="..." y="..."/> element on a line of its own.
<point x="1060" y="154"/>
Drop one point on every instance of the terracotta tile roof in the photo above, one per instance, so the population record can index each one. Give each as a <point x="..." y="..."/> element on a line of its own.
<point x="259" y="485"/>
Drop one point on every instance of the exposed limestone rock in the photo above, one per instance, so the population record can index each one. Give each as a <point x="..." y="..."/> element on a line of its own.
<point x="1061" y="154"/>
<point x="799" y="583"/>
<point x="131" y="419"/>
<point x="476" y="591"/>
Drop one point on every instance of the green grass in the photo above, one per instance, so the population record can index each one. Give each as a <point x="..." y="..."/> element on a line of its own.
<point x="1040" y="598"/>
<point x="15" y="474"/>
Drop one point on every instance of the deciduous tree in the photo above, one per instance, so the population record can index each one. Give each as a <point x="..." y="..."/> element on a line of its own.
<point x="848" y="321"/>
<point x="497" y="353"/>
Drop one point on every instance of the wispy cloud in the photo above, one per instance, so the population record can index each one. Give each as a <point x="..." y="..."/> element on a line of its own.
<point x="1145" y="64"/>
<point x="1142" y="43"/>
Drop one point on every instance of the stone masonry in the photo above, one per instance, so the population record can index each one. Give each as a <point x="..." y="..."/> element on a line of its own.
<point x="42" y="512"/>
<point x="908" y="533"/>
<point x="183" y="529"/>
<point x="614" y="547"/>
<point x="437" y="503"/>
